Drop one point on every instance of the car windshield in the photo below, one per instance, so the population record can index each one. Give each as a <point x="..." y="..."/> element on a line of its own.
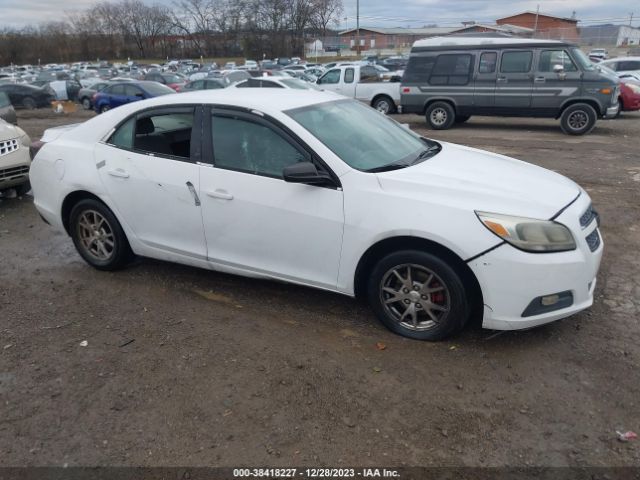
<point x="582" y="59"/>
<point x="156" y="89"/>
<point x="362" y="137"/>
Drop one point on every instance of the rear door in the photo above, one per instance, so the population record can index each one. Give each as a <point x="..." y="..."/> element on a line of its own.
<point x="514" y="84"/>
<point x="484" y="86"/>
<point x="133" y="93"/>
<point x="117" y="96"/>
<point x="550" y="88"/>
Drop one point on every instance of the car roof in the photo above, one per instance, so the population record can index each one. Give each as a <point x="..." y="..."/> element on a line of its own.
<point x="624" y="59"/>
<point x="481" y="42"/>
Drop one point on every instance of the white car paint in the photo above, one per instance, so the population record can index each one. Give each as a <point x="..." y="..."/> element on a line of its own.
<point x="14" y="156"/>
<point x="266" y="227"/>
<point x="620" y="70"/>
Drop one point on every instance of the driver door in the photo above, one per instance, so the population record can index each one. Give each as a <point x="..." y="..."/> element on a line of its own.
<point x="253" y="219"/>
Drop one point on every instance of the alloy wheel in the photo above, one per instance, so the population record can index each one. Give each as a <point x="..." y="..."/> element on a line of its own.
<point x="439" y="116"/>
<point x="96" y="235"/>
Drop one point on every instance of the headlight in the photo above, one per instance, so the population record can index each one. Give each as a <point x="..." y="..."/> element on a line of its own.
<point x="634" y="88"/>
<point x="529" y="234"/>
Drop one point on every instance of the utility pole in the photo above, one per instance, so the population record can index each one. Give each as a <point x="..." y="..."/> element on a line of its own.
<point x="358" y="27"/>
<point x="535" y="26"/>
<point x="631" y="18"/>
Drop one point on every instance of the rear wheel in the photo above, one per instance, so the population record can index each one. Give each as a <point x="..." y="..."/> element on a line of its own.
<point x="384" y="105"/>
<point x="29" y="103"/>
<point x="578" y="119"/>
<point x="86" y="103"/>
<point x="418" y="295"/>
<point x="98" y="236"/>
<point x="440" y="116"/>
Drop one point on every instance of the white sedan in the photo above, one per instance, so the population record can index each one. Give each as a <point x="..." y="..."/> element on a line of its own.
<point x="315" y="189"/>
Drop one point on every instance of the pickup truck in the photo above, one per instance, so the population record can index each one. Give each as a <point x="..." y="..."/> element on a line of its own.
<point x="362" y="83"/>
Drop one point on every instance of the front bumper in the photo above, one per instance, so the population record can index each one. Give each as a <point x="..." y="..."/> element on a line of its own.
<point x="14" y="168"/>
<point x="612" y="111"/>
<point x="510" y="279"/>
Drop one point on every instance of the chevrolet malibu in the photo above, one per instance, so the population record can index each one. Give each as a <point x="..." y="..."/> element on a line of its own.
<point x="312" y="188"/>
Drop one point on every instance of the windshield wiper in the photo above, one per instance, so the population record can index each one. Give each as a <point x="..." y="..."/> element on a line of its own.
<point x="388" y="168"/>
<point x="427" y="153"/>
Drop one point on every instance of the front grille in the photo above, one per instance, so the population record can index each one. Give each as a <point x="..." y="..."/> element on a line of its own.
<point x="8" y="146"/>
<point x="588" y="216"/>
<point x="13" y="172"/>
<point x="593" y="240"/>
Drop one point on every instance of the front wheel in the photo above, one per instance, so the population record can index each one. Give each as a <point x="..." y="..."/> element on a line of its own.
<point x="98" y="236"/>
<point x="86" y="103"/>
<point x="440" y="116"/>
<point x="578" y="119"/>
<point x="418" y="295"/>
<point x="104" y="108"/>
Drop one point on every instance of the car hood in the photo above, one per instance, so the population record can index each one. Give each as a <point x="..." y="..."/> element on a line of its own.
<point x="9" y="132"/>
<point x="474" y="179"/>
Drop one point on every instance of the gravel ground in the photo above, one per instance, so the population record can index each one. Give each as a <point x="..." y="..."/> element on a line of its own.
<point x="189" y="367"/>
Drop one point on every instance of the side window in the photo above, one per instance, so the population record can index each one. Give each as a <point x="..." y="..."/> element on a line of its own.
<point x="250" y="147"/>
<point x="488" y="62"/>
<point x="454" y="69"/>
<point x="117" y="90"/>
<point x="348" y="75"/>
<point x="516" y="62"/>
<point x="212" y="85"/>
<point x="626" y="65"/>
<point x="131" y="90"/>
<point x="167" y="134"/>
<point x="332" y="76"/>
<point x="197" y="85"/>
<point x="368" y="75"/>
<point x="551" y="58"/>
<point x="270" y="84"/>
<point x="123" y="136"/>
<point x="419" y="69"/>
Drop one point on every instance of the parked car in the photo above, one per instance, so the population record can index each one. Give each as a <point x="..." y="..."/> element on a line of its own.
<point x="207" y="84"/>
<point x="27" y="96"/>
<point x="622" y="65"/>
<point x="629" y="96"/>
<point x="229" y="77"/>
<point x="313" y="188"/>
<point x="448" y="79"/>
<point x="362" y="83"/>
<point x="174" y="81"/>
<point x="7" y="113"/>
<point x="599" y="54"/>
<point x="14" y="158"/>
<point x="85" y="95"/>
<point x="126" y="92"/>
<point x="276" y="82"/>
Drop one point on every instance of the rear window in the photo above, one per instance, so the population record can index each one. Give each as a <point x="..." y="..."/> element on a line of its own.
<point x="419" y="69"/>
<point x="454" y="69"/>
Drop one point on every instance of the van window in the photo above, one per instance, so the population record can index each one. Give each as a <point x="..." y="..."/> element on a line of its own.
<point x="451" y="69"/>
<point x="488" y="61"/>
<point x="516" y="62"/>
<point x="419" y="69"/>
<point x="551" y="58"/>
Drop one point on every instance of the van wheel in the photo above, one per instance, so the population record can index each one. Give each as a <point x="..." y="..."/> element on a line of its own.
<point x="440" y="116"/>
<point x="578" y="119"/>
<point x="418" y="295"/>
<point x="384" y="105"/>
<point x="462" y="118"/>
<point x="98" y="236"/>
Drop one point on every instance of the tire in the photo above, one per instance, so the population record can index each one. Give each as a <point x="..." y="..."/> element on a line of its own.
<point x="86" y="103"/>
<point x="23" y="189"/>
<point x="408" y="310"/>
<point x="620" y="107"/>
<point x="29" y="103"/>
<point x="104" y="108"/>
<point x="384" y="105"/>
<point x="440" y="116"/>
<point x="462" y="118"/>
<point x="105" y="246"/>
<point x="578" y="119"/>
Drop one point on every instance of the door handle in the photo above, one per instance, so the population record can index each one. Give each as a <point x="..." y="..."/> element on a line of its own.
<point x="220" y="194"/>
<point x="119" y="173"/>
<point x="540" y="80"/>
<point x="502" y="79"/>
<point x="192" y="189"/>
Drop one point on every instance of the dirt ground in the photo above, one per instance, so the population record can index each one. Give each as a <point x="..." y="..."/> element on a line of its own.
<point x="192" y="368"/>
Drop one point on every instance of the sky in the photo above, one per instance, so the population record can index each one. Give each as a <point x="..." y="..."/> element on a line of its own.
<point x="389" y="13"/>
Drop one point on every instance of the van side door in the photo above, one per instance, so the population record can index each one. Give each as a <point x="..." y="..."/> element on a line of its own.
<point x="552" y="86"/>
<point x="514" y="83"/>
<point x="484" y="88"/>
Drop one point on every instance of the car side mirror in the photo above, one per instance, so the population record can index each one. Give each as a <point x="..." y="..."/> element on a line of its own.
<point x="558" y="69"/>
<point x="307" y="173"/>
